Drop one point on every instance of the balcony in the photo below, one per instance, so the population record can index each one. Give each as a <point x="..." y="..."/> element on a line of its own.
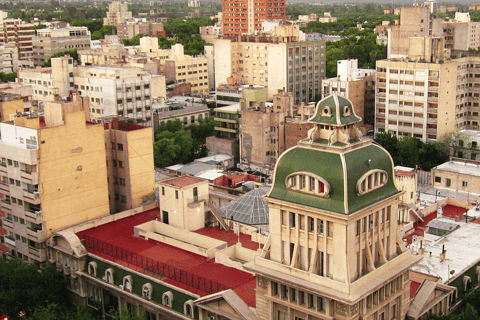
<point x="9" y="242"/>
<point x="36" y="236"/>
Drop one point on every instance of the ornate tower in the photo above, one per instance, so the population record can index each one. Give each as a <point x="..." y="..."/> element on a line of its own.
<point x="334" y="249"/>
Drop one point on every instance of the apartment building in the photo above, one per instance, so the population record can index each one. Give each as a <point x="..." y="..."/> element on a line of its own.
<point x="50" y="41"/>
<point x="123" y="92"/>
<point x="16" y="31"/>
<point x="49" y="83"/>
<point x="263" y="128"/>
<point x="247" y="16"/>
<point x="356" y="267"/>
<point x="130" y="29"/>
<point x="427" y="100"/>
<point x="183" y="68"/>
<point x="53" y="176"/>
<point x="130" y="169"/>
<point x="8" y="58"/>
<point x="117" y="14"/>
<point x="357" y="85"/>
<point x="275" y="61"/>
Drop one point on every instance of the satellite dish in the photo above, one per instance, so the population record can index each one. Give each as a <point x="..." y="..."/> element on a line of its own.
<point x="414" y="238"/>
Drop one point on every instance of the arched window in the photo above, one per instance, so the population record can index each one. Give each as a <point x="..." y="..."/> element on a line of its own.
<point x="188" y="309"/>
<point x="167" y="299"/>
<point x="92" y="268"/>
<point x="109" y="275"/>
<point x="371" y="180"/>
<point x="307" y="182"/>
<point x="127" y="283"/>
<point x="147" y="291"/>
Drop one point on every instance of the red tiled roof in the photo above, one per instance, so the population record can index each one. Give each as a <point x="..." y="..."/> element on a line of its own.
<point x="183" y="181"/>
<point x="120" y="234"/>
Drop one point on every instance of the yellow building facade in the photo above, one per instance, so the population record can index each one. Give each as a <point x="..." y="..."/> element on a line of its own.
<point x="53" y="176"/>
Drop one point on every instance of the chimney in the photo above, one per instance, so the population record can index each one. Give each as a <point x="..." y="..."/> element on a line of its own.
<point x="442" y="255"/>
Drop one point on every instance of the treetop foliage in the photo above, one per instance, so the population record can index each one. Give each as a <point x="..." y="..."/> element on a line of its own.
<point x="412" y="152"/>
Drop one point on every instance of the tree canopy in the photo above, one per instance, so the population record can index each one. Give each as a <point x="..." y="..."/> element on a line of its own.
<point x="26" y="288"/>
<point x="412" y="152"/>
<point x="176" y="144"/>
<point x="72" y="53"/>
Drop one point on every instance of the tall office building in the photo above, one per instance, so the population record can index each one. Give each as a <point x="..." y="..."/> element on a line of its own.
<point x="335" y="251"/>
<point x="117" y="13"/>
<point x="241" y="17"/>
<point x="277" y="60"/>
<point x="428" y="86"/>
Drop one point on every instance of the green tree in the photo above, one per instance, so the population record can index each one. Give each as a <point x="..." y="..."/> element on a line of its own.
<point x="456" y="142"/>
<point x="200" y="132"/>
<point x="390" y="143"/>
<point x="409" y="151"/>
<point x="26" y="288"/>
<point x="432" y="155"/>
<point x="172" y="147"/>
<point x="72" y="53"/>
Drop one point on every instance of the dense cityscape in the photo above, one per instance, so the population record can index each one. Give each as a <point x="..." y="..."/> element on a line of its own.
<point x="247" y="160"/>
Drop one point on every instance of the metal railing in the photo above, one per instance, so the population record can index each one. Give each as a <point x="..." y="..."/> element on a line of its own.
<point x="153" y="266"/>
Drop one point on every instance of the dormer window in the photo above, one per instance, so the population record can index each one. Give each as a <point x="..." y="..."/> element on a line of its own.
<point x="147" y="291"/>
<point x="92" y="269"/>
<point x="167" y="299"/>
<point x="109" y="275"/>
<point x="371" y="180"/>
<point x="127" y="283"/>
<point x="326" y="112"/>
<point x="347" y="111"/>
<point x="308" y="183"/>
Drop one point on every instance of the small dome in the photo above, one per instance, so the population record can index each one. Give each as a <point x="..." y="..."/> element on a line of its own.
<point x="334" y="110"/>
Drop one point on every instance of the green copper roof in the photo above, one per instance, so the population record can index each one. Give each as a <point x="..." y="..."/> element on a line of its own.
<point x="330" y="166"/>
<point x="331" y="110"/>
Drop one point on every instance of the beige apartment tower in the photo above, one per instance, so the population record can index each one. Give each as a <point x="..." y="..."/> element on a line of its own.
<point x="427" y="100"/>
<point x="335" y="251"/>
<point x="130" y="168"/>
<point x="53" y="176"/>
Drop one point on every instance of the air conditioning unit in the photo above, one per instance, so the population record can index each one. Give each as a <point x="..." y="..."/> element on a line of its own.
<point x="121" y="287"/>
<point x="38" y="213"/>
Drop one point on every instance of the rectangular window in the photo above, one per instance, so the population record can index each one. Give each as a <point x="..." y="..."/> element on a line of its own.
<point x="292" y="220"/>
<point x="163" y="191"/>
<point x="123" y="199"/>
<point x="176" y="194"/>
<point x="311" y="224"/>
<point x="275" y="289"/>
<point x="284" y="292"/>
<point x="438" y="180"/>
<point x="464" y="184"/>
<point x="120" y="164"/>
<point x="448" y="182"/>
<point x="120" y="146"/>
<point x="312" y="301"/>
<point x="114" y="162"/>
<point x="319" y="226"/>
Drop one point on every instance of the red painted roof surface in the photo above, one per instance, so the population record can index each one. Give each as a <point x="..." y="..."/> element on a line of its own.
<point x="230" y="237"/>
<point x="183" y="181"/>
<point x="448" y="211"/>
<point x="413" y="288"/>
<point x="120" y="234"/>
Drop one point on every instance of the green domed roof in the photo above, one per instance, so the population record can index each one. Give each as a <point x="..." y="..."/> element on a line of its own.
<point x="341" y="169"/>
<point x="334" y="110"/>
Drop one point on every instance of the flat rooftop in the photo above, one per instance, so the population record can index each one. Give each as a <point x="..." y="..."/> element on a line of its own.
<point x="183" y="181"/>
<point x="213" y="277"/>
<point x="462" y="247"/>
<point x="472" y="169"/>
